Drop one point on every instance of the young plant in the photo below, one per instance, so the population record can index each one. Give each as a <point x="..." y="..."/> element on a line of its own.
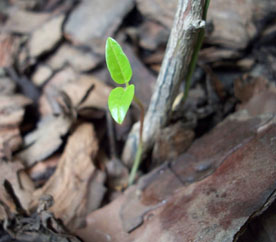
<point x="120" y="98"/>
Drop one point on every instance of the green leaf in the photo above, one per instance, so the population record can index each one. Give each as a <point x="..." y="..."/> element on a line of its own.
<point x="117" y="62"/>
<point x="119" y="101"/>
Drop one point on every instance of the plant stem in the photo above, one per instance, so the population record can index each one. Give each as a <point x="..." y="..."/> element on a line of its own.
<point x="193" y="62"/>
<point x="139" y="152"/>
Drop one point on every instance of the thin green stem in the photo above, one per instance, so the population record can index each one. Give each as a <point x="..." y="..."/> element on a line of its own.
<point x="139" y="152"/>
<point x="193" y="62"/>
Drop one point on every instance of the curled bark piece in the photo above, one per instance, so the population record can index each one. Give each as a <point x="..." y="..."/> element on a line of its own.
<point x="187" y="23"/>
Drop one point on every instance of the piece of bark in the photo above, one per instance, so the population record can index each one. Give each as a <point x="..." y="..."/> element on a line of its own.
<point x="171" y="142"/>
<point x="264" y="102"/>
<point x="45" y="139"/>
<point x="9" y="171"/>
<point x="248" y="86"/>
<point x="158" y="10"/>
<point x="41" y="225"/>
<point x="82" y="29"/>
<point x="117" y="174"/>
<point x="76" y="87"/>
<point x="46" y="37"/>
<point x="187" y="24"/>
<point x="11" y="115"/>
<point x="152" y="35"/>
<point x="25" y="4"/>
<point x="7" y="86"/>
<point x="261" y="228"/>
<point x="24" y="22"/>
<point x="70" y="184"/>
<point x="232" y="171"/>
<point x="9" y="46"/>
<point x="41" y="75"/>
<point x="215" y="54"/>
<point x="244" y="18"/>
<point x="81" y="60"/>
<point x="42" y="171"/>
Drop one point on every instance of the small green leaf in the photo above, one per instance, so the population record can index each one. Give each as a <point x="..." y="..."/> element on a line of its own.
<point x="119" y="101"/>
<point x="117" y="62"/>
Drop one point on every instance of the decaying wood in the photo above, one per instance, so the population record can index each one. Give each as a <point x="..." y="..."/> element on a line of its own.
<point x="187" y="23"/>
<point x="226" y="178"/>
<point x="171" y="142"/>
<point x="70" y="185"/>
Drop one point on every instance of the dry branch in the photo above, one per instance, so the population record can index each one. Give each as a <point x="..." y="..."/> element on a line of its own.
<point x="188" y="21"/>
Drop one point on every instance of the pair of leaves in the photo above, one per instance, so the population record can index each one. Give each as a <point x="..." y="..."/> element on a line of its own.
<point x="119" y="99"/>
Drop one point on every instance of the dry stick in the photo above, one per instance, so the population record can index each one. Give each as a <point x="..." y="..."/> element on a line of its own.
<point x="184" y="35"/>
<point x="193" y="62"/>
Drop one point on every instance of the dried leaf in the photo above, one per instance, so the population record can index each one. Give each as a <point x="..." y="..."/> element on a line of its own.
<point x="70" y="184"/>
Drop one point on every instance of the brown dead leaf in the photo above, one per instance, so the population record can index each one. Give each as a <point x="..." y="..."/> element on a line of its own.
<point x="70" y="184"/>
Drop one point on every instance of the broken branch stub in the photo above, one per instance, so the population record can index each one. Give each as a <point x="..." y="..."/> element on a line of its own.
<point x="187" y="23"/>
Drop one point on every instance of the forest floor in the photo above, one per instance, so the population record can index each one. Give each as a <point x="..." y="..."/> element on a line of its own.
<point x="211" y="173"/>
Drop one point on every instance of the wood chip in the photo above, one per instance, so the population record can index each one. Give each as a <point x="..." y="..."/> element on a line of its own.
<point x="11" y="115"/>
<point x="46" y="37"/>
<point x="9" y="46"/>
<point x="45" y="140"/>
<point x="82" y="29"/>
<point x="171" y="142"/>
<point x="41" y="75"/>
<point x="81" y="60"/>
<point x="23" y="21"/>
<point x="76" y="88"/>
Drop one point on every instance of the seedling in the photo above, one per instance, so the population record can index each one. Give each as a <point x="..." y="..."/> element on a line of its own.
<point x="120" y="98"/>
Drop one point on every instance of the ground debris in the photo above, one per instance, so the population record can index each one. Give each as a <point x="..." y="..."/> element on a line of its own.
<point x="46" y="37"/>
<point x="212" y="208"/>
<point x="12" y="112"/>
<point x="82" y="29"/>
<point x="38" y="226"/>
<point x="74" y="175"/>
<point x="45" y="140"/>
